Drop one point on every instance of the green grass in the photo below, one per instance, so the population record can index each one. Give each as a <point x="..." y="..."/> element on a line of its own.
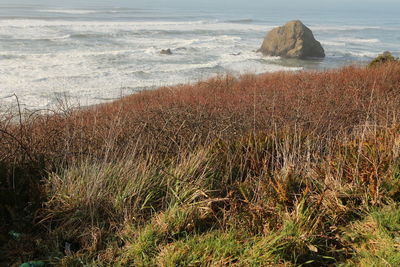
<point x="376" y="239"/>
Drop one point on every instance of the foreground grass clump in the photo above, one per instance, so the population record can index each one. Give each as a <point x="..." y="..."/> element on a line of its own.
<point x="286" y="169"/>
<point x="279" y="198"/>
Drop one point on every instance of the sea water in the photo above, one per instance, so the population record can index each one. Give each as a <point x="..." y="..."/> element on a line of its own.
<point x="84" y="56"/>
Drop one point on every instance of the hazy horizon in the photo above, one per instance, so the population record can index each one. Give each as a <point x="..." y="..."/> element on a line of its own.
<point x="356" y="5"/>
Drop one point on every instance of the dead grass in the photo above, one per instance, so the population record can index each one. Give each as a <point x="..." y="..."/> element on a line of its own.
<point x="170" y="119"/>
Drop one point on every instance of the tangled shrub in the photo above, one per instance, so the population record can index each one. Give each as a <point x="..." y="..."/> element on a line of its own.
<point x="382" y="58"/>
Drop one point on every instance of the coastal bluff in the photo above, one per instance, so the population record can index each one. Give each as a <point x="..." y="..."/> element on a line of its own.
<point x="293" y="40"/>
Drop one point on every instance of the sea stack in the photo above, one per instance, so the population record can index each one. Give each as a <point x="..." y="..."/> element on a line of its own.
<point x="293" y="40"/>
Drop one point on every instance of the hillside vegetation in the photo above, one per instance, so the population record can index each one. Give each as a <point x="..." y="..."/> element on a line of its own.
<point x="283" y="169"/>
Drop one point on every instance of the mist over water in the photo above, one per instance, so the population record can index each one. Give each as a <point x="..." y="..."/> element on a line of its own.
<point x="89" y="55"/>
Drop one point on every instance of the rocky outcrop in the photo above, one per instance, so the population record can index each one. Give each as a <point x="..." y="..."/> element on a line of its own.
<point x="166" y="52"/>
<point x="293" y="40"/>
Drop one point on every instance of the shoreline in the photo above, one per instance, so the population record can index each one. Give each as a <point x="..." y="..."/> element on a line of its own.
<point x="77" y="106"/>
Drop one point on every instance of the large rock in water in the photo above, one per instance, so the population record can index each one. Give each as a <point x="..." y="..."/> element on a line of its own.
<point x="293" y="40"/>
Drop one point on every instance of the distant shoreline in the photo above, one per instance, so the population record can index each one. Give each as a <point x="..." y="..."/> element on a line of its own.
<point x="77" y="107"/>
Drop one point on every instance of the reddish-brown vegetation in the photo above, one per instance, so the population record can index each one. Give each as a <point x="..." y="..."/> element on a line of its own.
<point x="169" y="118"/>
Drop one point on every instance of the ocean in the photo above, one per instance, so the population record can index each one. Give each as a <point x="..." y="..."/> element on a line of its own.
<point x="52" y="56"/>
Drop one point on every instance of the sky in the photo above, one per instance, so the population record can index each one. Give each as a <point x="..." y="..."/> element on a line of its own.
<point x="374" y="9"/>
<point x="188" y="4"/>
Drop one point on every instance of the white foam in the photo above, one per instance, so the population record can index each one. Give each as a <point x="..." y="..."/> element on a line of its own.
<point x="361" y="53"/>
<point x="38" y="79"/>
<point x="100" y="26"/>
<point x="359" y="40"/>
<point x="332" y="43"/>
<point x="69" y="11"/>
<point x="256" y="67"/>
<point x="342" y="28"/>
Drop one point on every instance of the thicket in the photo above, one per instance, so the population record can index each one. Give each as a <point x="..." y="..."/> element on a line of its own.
<point x="382" y="58"/>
